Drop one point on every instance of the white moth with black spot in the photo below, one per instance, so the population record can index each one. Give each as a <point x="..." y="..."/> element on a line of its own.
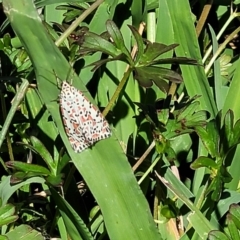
<point x="84" y="123"/>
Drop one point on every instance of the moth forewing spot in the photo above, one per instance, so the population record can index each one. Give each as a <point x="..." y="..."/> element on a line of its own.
<point x="84" y="123"/>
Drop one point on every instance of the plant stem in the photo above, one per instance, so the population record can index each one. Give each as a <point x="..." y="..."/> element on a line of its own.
<point x="18" y="98"/>
<point x="231" y="18"/>
<point x="117" y="92"/>
<point x="220" y="49"/>
<point x="149" y="169"/>
<point x="143" y="157"/>
<point x="76" y="23"/>
<point x="125" y="76"/>
<point x="203" y="17"/>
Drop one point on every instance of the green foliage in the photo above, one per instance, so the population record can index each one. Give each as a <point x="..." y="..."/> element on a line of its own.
<point x="170" y="169"/>
<point x="144" y="66"/>
<point x="232" y="225"/>
<point x="7" y="214"/>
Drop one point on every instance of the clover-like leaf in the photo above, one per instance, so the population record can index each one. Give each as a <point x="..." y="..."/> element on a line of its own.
<point x="188" y="110"/>
<point x="147" y="75"/>
<point x="174" y="129"/>
<point x="154" y="50"/>
<point x="190" y="117"/>
<point x="94" y="43"/>
<point x="117" y="38"/>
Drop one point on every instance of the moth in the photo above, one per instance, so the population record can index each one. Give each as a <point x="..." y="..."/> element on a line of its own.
<point x="84" y="123"/>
